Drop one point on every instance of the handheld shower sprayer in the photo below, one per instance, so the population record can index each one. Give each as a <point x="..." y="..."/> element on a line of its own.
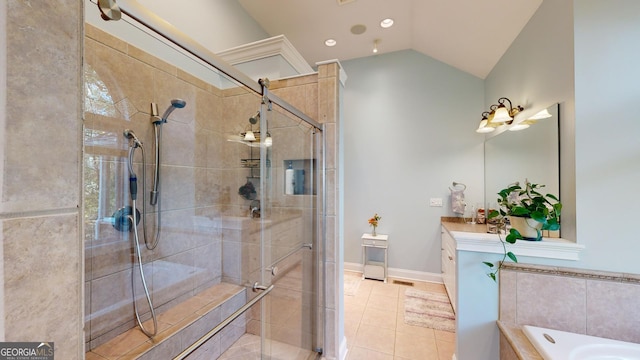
<point x="129" y="134"/>
<point x="157" y="122"/>
<point x="133" y="179"/>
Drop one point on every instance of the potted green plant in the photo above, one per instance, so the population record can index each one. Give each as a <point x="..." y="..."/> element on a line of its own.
<point x="528" y="212"/>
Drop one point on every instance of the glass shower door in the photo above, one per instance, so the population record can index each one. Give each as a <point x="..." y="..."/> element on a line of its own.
<point x="290" y="205"/>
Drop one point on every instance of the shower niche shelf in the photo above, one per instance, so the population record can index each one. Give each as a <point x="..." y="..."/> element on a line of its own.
<point x="300" y="179"/>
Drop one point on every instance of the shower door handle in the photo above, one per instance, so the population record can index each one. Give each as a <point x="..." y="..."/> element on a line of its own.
<point x="257" y="287"/>
<point x="309" y="246"/>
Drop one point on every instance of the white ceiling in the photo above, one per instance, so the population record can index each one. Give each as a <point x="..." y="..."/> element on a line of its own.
<point x="470" y="35"/>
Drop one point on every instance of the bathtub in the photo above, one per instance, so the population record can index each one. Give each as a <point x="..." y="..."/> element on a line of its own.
<point x="561" y="345"/>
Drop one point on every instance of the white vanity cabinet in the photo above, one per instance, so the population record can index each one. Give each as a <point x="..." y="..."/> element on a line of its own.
<point x="449" y="266"/>
<point x="473" y="294"/>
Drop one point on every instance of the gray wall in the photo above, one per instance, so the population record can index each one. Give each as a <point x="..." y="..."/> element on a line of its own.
<point x="409" y="125"/>
<point x="595" y="79"/>
<point x="607" y="133"/>
<point x="537" y="71"/>
<point x="599" y="163"/>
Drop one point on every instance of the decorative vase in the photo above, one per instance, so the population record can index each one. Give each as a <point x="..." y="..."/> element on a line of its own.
<point x="527" y="227"/>
<point x="373" y="232"/>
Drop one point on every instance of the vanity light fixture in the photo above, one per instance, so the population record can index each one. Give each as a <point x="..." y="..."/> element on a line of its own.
<point x="502" y="113"/>
<point x="544" y="114"/>
<point x="520" y="126"/>
<point x="386" y="23"/>
<point x="375" y="45"/>
<point x="484" y="127"/>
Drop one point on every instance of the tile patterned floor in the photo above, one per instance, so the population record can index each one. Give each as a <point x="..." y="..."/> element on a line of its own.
<point x="375" y="328"/>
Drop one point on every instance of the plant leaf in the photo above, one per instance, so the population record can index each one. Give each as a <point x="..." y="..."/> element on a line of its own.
<point x="519" y="211"/>
<point x="512" y="256"/>
<point x="492" y="276"/>
<point x="513" y="236"/>
<point x="488" y="264"/>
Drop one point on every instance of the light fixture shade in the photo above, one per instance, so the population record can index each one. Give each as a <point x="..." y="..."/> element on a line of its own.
<point x="268" y="141"/>
<point x="501" y="115"/>
<point x="518" y="127"/>
<point x="483" y="128"/>
<point x="249" y="136"/>
<point x="544" y="114"/>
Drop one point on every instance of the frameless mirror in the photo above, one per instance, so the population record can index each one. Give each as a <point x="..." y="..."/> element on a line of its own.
<point x="530" y="154"/>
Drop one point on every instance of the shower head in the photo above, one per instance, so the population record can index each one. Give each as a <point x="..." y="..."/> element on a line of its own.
<point x="255" y="118"/>
<point x="175" y="104"/>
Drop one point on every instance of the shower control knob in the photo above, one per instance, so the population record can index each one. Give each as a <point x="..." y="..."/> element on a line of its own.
<point x="274" y="271"/>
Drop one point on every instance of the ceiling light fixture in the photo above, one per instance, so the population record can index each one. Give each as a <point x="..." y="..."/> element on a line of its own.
<point x="375" y="45"/>
<point x="330" y="42"/>
<point x="386" y="23"/>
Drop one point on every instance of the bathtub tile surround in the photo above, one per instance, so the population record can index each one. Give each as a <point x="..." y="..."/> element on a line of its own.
<point x="596" y="303"/>
<point x="41" y="276"/>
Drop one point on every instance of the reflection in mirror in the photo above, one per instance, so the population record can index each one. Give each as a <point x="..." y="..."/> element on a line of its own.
<point x="532" y="153"/>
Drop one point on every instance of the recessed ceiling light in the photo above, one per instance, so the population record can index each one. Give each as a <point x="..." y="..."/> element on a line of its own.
<point x="330" y="42"/>
<point x="386" y="23"/>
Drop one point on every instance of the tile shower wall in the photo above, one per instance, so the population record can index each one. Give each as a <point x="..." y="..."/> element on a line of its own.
<point x="200" y="174"/>
<point x="39" y="189"/>
<point x="209" y="173"/>
<point x="595" y="303"/>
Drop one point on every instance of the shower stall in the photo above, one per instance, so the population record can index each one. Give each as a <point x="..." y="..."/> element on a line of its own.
<point x="234" y="263"/>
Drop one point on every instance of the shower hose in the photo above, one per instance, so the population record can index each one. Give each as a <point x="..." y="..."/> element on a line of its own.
<point x="133" y="189"/>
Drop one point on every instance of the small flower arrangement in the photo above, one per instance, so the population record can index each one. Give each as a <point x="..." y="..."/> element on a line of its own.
<point x="374" y="222"/>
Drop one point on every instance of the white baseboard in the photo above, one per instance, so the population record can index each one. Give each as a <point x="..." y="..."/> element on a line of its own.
<point x="400" y="273"/>
<point x="342" y="355"/>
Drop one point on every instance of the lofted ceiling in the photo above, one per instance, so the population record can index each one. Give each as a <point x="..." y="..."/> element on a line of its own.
<point x="470" y="35"/>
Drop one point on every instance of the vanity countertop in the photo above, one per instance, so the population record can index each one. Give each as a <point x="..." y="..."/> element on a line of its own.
<point x="458" y="224"/>
<point x="474" y="237"/>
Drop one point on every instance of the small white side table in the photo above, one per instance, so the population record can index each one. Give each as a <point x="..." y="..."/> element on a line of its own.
<point x="374" y="269"/>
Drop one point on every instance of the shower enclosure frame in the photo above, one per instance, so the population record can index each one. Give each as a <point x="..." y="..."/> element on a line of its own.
<point x="169" y="32"/>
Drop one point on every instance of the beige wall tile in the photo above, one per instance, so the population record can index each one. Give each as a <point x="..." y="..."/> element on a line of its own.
<point x="612" y="310"/>
<point x="551" y="301"/>
<point x="41" y="127"/>
<point x="42" y="281"/>
<point x="508" y="300"/>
